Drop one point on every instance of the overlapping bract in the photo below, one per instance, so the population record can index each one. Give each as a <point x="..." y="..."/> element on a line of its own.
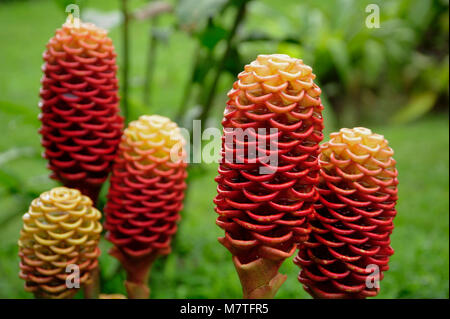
<point x="147" y="187"/>
<point x="350" y="238"/>
<point x="61" y="228"/>
<point x="264" y="215"/>
<point x="81" y="125"/>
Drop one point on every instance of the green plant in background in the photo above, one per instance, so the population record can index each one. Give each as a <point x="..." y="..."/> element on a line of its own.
<point x="363" y="70"/>
<point x="201" y="22"/>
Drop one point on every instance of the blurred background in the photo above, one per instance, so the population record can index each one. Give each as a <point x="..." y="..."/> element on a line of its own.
<point x="179" y="58"/>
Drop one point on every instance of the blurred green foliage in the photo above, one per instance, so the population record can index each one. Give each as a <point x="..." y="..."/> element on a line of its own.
<point x="370" y="75"/>
<point x="393" y="79"/>
<point x="361" y="69"/>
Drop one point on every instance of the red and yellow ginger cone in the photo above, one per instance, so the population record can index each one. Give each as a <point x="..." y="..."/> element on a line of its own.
<point x="349" y="245"/>
<point x="145" y="197"/>
<point x="264" y="213"/>
<point x="61" y="228"/>
<point x="81" y="125"/>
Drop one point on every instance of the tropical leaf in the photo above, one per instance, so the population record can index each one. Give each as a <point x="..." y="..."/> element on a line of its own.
<point x="212" y="35"/>
<point x="291" y="49"/>
<point x="340" y="57"/>
<point x="418" y="105"/>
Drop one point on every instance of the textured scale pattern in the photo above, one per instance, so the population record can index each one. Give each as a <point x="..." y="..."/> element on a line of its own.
<point x="60" y="228"/>
<point x="265" y="215"/>
<point x="81" y="125"/>
<point x="147" y="187"/>
<point x="354" y="216"/>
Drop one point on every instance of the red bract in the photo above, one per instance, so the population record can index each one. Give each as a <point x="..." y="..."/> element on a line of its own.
<point x="81" y="125"/>
<point x="264" y="213"/>
<point x="349" y="245"/>
<point x="145" y="196"/>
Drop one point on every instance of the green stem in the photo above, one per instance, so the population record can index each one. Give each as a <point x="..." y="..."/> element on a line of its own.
<point x="125" y="61"/>
<point x="151" y="57"/>
<point x="138" y="271"/>
<point x="188" y="87"/>
<point x="229" y="41"/>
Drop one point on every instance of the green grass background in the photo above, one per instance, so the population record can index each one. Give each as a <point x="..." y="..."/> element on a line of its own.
<point x="199" y="266"/>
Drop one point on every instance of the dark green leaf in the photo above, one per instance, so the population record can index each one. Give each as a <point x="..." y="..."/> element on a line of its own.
<point x="233" y="63"/>
<point x="211" y="36"/>
<point x="202" y="69"/>
<point x="340" y="57"/>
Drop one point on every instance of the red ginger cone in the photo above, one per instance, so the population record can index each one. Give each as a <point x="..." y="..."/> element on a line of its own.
<point x="351" y="228"/>
<point x="264" y="215"/>
<point x="60" y="229"/>
<point x="81" y="125"/>
<point x="145" y="197"/>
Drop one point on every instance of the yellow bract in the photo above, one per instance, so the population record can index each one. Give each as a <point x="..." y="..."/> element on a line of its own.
<point x="358" y="152"/>
<point x="152" y="135"/>
<point x="277" y="73"/>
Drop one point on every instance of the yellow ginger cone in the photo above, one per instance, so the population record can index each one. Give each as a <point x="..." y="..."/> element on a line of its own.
<point x="60" y="234"/>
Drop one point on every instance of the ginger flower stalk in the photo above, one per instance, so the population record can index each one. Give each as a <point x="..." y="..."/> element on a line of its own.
<point x="269" y="168"/>
<point x="145" y="197"/>
<point x="81" y="125"/>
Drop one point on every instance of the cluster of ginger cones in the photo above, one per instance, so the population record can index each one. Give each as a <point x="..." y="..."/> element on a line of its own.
<point x="279" y="190"/>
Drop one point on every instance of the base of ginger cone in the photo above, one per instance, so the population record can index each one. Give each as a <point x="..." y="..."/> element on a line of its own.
<point x="137" y="290"/>
<point x="92" y="289"/>
<point x="260" y="278"/>
<point x="138" y="271"/>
